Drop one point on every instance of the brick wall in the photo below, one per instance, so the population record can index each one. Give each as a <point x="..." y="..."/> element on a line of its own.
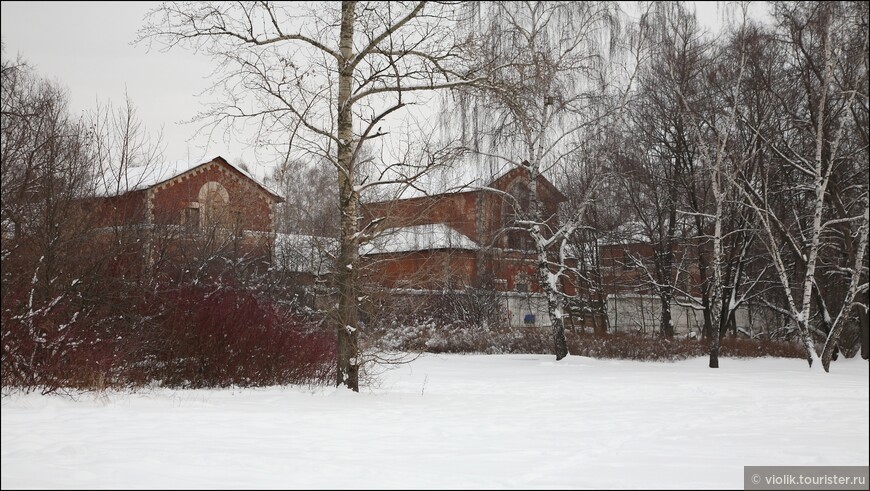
<point x="168" y="200"/>
<point x="479" y="214"/>
<point x="433" y="269"/>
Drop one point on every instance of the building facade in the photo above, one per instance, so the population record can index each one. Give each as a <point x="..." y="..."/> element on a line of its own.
<point x="467" y="239"/>
<point x="180" y="212"/>
<point x="459" y="239"/>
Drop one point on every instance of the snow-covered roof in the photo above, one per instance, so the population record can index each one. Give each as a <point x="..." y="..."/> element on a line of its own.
<point x="115" y="182"/>
<point x="304" y="253"/>
<point x="418" y="238"/>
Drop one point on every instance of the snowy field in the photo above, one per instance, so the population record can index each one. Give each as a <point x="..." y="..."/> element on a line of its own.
<point x="514" y="421"/>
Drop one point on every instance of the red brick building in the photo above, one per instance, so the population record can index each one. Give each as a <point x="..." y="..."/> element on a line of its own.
<point x="459" y="239"/>
<point x="181" y="209"/>
<point x="625" y="267"/>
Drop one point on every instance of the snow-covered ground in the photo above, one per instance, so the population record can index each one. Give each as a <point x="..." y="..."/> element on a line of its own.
<point x="516" y="421"/>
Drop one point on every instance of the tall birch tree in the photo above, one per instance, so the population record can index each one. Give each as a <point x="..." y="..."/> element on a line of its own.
<point x="816" y="150"/>
<point x="322" y="79"/>
<point x="560" y="77"/>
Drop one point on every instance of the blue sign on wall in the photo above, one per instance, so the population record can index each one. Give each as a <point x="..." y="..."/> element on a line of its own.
<point x="529" y="319"/>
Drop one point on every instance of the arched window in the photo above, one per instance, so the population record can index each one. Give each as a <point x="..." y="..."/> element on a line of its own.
<point x="213" y="205"/>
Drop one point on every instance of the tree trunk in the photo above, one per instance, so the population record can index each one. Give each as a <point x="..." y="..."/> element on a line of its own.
<point x="865" y="333"/>
<point x="348" y="315"/>
<point x="708" y="316"/>
<point x="560" y="343"/>
<point x="667" y="323"/>
<point x="703" y="265"/>
<point x="601" y="306"/>
<point x="850" y="248"/>
<point x="555" y="306"/>
<point x="846" y="311"/>
<point x="809" y="347"/>
<point x="725" y="313"/>
<point x="714" y="350"/>
<point x="828" y="351"/>
<point x="718" y="328"/>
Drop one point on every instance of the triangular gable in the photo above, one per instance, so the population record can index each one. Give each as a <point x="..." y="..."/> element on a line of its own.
<point x="137" y="179"/>
<point x="520" y="170"/>
<point x="278" y="198"/>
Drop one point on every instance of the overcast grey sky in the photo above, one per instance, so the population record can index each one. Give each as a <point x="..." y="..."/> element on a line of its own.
<point x="86" y="47"/>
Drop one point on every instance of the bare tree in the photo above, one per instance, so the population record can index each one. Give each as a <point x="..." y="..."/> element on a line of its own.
<point x="711" y="115"/>
<point x="58" y="295"/>
<point x="322" y="79"/>
<point x="122" y="144"/>
<point x="815" y="145"/>
<point x="44" y="158"/>
<point x="547" y="94"/>
<point x="310" y="191"/>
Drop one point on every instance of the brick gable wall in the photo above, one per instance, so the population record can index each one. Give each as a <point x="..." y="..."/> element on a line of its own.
<point x="167" y="201"/>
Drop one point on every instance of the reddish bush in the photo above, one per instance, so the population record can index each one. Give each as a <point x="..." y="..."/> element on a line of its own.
<point x="634" y="347"/>
<point x="753" y="348"/>
<point x="180" y="337"/>
<point x="220" y="337"/>
<point x="58" y="346"/>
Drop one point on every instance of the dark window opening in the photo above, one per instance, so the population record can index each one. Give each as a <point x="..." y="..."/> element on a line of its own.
<point x="191" y="218"/>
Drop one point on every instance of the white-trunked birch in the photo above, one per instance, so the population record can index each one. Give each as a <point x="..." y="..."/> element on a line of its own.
<point x="712" y="120"/>
<point x="815" y="150"/>
<point x="563" y="76"/>
<point x="319" y="80"/>
<point x="660" y="152"/>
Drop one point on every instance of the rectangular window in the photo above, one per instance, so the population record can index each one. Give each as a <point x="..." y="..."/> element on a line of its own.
<point x="522" y="287"/>
<point x="191" y="219"/>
